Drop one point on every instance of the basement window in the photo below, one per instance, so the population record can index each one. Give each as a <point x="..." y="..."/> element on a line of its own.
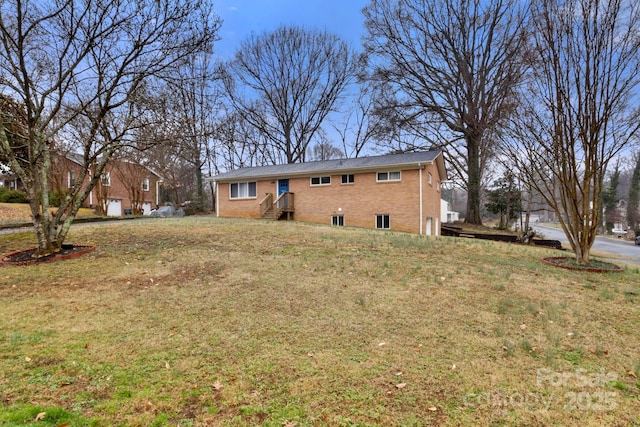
<point x="337" y="220"/>
<point x="383" y="221"/>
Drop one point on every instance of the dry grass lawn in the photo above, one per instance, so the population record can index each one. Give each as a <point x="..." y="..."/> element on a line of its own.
<point x="13" y="213"/>
<point x="204" y="322"/>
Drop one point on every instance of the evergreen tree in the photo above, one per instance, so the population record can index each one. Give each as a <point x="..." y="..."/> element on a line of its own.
<point x="505" y="200"/>
<point x="633" y="208"/>
<point x="609" y="199"/>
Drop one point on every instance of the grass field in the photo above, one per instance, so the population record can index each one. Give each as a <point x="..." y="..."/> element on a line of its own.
<point x="18" y="213"/>
<point x="203" y="322"/>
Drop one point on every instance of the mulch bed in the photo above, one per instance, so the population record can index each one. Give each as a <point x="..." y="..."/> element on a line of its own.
<point x="507" y="237"/>
<point x="570" y="263"/>
<point x="25" y="257"/>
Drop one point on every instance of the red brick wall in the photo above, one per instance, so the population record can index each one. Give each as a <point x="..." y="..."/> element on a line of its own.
<point x="359" y="202"/>
<point x="117" y="190"/>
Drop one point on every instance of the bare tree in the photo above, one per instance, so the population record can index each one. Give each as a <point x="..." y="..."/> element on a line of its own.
<point x="577" y="112"/>
<point x="357" y="127"/>
<point x="286" y="82"/>
<point x="167" y="153"/>
<point x="451" y="67"/>
<point x="103" y="190"/>
<point x="194" y="103"/>
<point x="323" y="149"/>
<point x="75" y="68"/>
<point x="241" y="145"/>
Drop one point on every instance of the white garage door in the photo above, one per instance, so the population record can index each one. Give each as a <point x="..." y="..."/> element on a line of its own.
<point x="114" y="208"/>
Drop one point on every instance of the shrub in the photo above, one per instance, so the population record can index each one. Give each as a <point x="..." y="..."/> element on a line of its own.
<point x="55" y="198"/>
<point x="192" y="207"/>
<point x="12" y="196"/>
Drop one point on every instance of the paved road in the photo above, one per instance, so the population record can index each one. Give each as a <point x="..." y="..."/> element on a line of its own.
<point x="615" y="247"/>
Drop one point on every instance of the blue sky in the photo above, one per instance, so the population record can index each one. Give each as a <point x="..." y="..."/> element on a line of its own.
<point x="242" y="17"/>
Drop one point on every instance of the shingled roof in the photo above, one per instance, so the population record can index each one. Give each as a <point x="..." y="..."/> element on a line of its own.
<point x="360" y="164"/>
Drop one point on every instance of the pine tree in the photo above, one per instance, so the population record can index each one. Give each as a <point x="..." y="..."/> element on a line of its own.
<point x="609" y="199"/>
<point x="633" y="205"/>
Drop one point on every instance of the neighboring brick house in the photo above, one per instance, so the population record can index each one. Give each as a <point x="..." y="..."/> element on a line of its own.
<point x="10" y="181"/>
<point x="124" y="188"/>
<point x="395" y="191"/>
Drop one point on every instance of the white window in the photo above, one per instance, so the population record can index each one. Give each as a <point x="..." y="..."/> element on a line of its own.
<point x="348" y="179"/>
<point x="382" y="221"/>
<point x="337" y="220"/>
<point x="242" y="190"/>
<point x="71" y="179"/>
<point x="429" y="178"/>
<point x="105" y="179"/>
<point x="321" y="180"/>
<point x="145" y="184"/>
<point x="388" y="176"/>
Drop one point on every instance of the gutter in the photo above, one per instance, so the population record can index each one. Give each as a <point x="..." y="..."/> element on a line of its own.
<point x="402" y="166"/>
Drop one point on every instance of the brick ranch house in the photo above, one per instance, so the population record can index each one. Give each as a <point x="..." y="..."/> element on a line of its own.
<point x="396" y="191"/>
<point x="124" y="188"/>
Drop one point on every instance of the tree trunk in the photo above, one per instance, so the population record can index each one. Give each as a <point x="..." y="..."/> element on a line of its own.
<point x="44" y="223"/>
<point x="200" y="188"/>
<point x="474" y="185"/>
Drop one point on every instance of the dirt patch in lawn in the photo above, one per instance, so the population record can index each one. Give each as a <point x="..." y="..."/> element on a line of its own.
<point x="26" y="257"/>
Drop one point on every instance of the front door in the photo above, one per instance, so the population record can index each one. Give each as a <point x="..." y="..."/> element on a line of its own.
<point x="283" y="186"/>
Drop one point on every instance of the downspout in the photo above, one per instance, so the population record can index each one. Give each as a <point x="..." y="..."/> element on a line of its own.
<point x="215" y="184"/>
<point x="420" y="177"/>
<point x="91" y="193"/>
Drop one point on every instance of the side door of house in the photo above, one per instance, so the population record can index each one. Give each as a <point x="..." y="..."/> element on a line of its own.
<point x="283" y="187"/>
